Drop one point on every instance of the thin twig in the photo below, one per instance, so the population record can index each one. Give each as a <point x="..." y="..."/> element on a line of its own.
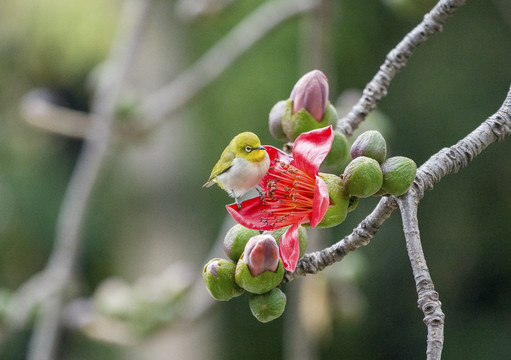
<point x="254" y="27"/>
<point x="62" y="262"/>
<point x="429" y="301"/>
<point x="447" y="161"/>
<point x="396" y="59"/>
<point x="317" y="261"/>
<point x="38" y="110"/>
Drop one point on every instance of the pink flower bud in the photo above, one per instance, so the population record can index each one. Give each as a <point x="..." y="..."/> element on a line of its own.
<point x="311" y="93"/>
<point x="261" y="254"/>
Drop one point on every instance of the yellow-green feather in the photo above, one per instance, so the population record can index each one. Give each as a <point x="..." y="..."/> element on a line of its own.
<point x="236" y="148"/>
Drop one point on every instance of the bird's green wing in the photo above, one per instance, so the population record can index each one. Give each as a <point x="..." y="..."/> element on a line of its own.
<point x="220" y="167"/>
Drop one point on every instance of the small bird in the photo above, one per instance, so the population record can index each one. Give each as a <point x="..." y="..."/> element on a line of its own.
<point x="242" y="165"/>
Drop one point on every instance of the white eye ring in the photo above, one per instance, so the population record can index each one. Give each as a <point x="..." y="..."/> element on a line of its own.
<point x="248" y="148"/>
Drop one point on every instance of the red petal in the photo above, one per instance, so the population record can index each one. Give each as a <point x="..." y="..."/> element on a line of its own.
<point x="311" y="148"/>
<point x="320" y="202"/>
<point x="250" y="214"/>
<point x="289" y="248"/>
<point x="276" y="154"/>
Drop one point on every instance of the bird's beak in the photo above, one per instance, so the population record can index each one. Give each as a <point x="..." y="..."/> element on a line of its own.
<point x="260" y="147"/>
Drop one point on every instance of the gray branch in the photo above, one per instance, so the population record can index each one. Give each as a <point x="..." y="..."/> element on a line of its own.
<point x="314" y="262"/>
<point x="62" y="262"/>
<point x="429" y="301"/>
<point x="397" y="59"/>
<point x="447" y="161"/>
<point x="216" y="60"/>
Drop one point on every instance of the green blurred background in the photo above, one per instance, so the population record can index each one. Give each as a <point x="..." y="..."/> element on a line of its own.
<point x="149" y="211"/>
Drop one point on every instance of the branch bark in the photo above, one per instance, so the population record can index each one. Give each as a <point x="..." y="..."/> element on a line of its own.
<point x="447" y="161"/>
<point x="429" y="301"/>
<point x="397" y="59"/>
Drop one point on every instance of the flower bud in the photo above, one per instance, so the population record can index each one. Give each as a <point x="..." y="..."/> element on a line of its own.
<point x="353" y="203"/>
<point x="308" y="107"/>
<point x="268" y="306"/>
<point x="218" y="276"/>
<point x="398" y="175"/>
<point x="302" y="237"/>
<point x="339" y="201"/>
<point x="275" y="120"/>
<point x="259" y="269"/>
<point x="370" y="144"/>
<point x="311" y="93"/>
<point x="261" y="254"/>
<point x="362" y="177"/>
<point x="339" y="151"/>
<point x="236" y="239"/>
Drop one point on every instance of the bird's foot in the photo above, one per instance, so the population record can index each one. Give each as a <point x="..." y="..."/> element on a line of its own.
<point x="261" y="193"/>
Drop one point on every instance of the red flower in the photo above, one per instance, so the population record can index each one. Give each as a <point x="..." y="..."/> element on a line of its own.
<point x="293" y="193"/>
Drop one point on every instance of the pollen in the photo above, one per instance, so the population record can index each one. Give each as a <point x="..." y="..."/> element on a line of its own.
<point x="288" y="194"/>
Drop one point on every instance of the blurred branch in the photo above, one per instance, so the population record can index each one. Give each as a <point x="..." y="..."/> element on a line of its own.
<point x="192" y="9"/>
<point x="37" y="110"/>
<point x="117" y="309"/>
<point x="447" y="161"/>
<point x="62" y="262"/>
<point x="397" y="59"/>
<point x="156" y="106"/>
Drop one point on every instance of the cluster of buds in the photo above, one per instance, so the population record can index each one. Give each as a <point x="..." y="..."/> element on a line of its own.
<point x="295" y="194"/>
<point x="372" y="173"/>
<point x="257" y="269"/>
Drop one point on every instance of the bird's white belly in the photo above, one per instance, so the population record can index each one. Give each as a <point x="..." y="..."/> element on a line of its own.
<point x="243" y="175"/>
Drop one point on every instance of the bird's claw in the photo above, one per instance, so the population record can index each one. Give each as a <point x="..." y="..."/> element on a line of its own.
<point x="261" y="194"/>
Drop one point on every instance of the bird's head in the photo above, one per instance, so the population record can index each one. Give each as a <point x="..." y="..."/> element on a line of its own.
<point x="247" y="145"/>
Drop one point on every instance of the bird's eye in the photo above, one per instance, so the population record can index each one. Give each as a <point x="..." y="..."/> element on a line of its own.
<point x="248" y="149"/>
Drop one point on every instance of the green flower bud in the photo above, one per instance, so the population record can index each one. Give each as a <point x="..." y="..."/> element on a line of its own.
<point x="339" y="151"/>
<point x="331" y="117"/>
<point x="353" y="203"/>
<point x="293" y="124"/>
<point x="218" y="275"/>
<point x="302" y="237"/>
<point x="236" y="239"/>
<point x="275" y="120"/>
<point x="268" y="306"/>
<point x="339" y="201"/>
<point x="370" y="144"/>
<point x="363" y="177"/>
<point x="257" y="284"/>
<point x="398" y="175"/>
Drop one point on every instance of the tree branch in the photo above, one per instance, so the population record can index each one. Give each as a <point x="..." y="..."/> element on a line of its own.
<point x="72" y="213"/>
<point x="312" y="263"/>
<point x="397" y="59"/>
<point x="450" y="160"/>
<point x="447" y="161"/>
<point x="241" y="38"/>
<point x="428" y="301"/>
